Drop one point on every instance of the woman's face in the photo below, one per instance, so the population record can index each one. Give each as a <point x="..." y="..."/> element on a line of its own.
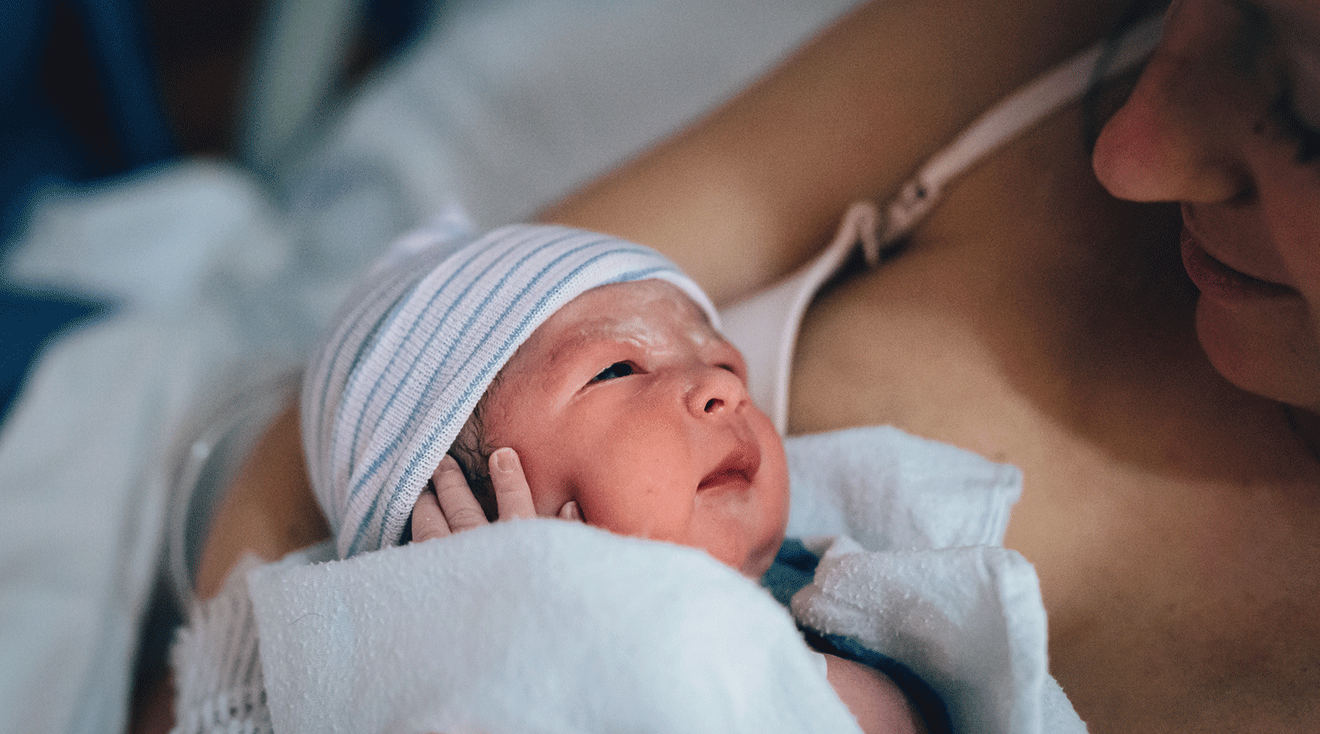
<point x="1225" y="119"/>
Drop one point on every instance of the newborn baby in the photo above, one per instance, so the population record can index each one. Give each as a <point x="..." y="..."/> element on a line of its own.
<point x="630" y="412"/>
<point x="623" y="408"/>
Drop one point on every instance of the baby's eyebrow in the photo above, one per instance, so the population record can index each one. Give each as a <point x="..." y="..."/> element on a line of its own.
<point x="569" y="346"/>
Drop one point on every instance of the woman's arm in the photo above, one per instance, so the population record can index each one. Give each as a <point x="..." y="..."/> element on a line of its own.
<point x="269" y="510"/>
<point x="759" y="183"/>
<point x="763" y="180"/>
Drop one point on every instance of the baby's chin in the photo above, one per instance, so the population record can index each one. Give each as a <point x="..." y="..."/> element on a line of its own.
<point x="760" y="560"/>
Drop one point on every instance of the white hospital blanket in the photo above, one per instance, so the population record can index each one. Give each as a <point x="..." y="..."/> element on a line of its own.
<point x="547" y="626"/>
<point x="534" y="626"/>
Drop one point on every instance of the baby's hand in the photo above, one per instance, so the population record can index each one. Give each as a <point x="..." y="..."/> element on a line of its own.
<point x="452" y="508"/>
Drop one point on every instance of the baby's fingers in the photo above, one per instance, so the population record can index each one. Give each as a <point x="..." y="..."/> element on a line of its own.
<point x="460" y="507"/>
<point x="512" y="495"/>
<point x="427" y="520"/>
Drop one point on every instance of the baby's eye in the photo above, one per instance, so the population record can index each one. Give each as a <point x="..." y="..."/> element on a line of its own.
<point x="618" y="369"/>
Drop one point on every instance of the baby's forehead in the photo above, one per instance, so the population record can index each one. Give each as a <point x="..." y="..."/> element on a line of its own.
<point x="615" y="305"/>
<point x="652" y="314"/>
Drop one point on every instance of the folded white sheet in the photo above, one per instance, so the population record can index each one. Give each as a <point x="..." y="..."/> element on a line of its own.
<point x="546" y="626"/>
<point x="534" y="626"/>
<point x="928" y="581"/>
<point x="890" y="490"/>
<point x="968" y="621"/>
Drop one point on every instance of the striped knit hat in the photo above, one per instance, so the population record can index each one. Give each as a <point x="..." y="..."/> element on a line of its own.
<point x="412" y="352"/>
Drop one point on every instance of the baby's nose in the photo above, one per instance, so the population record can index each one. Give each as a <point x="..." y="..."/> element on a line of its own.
<point x="714" y="390"/>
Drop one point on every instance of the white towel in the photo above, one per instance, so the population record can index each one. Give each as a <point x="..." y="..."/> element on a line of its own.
<point x="548" y="626"/>
<point x="968" y="621"/>
<point x="890" y="490"/>
<point x="533" y="626"/>
<point x="928" y="581"/>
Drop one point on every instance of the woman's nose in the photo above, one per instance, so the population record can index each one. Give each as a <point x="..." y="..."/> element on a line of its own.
<point x="713" y="391"/>
<point x="1177" y="137"/>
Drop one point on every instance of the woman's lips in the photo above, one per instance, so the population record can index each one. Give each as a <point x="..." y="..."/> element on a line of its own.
<point x="1221" y="282"/>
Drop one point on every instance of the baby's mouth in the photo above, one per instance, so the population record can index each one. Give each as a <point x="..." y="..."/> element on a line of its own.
<point x="736" y="469"/>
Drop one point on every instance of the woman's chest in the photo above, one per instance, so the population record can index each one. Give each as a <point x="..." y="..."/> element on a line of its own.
<point x="1178" y="603"/>
<point x="1174" y="521"/>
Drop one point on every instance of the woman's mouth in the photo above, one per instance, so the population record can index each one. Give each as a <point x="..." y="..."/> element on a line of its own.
<point x="1221" y="282"/>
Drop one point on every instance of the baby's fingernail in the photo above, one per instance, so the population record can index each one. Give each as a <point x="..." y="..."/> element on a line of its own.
<point x="448" y="463"/>
<point x="506" y="460"/>
<point x="570" y="511"/>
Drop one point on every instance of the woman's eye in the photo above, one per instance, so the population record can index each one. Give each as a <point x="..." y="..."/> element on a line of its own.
<point x="618" y="369"/>
<point x="1297" y="129"/>
<point x="1269" y="54"/>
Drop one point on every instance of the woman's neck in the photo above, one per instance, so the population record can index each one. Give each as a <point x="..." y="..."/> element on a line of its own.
<point x="1306" y="426"/>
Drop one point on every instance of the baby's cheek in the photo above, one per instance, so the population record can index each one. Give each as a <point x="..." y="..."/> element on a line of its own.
<point x="729" y="543"/>
<point x="549" y="488"/>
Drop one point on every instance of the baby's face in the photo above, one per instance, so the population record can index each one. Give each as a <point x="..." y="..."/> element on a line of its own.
<point x="629" y="403"/>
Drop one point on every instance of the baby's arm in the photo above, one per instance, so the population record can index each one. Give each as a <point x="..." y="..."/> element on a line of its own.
<point x="879" y="706"/>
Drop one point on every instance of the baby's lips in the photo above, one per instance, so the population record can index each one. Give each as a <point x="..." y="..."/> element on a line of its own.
<point x="723" y="479"/>
<point x="738" y="467"/>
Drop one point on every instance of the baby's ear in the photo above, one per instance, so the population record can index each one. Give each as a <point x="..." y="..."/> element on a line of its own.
<point x="570" y="511"/>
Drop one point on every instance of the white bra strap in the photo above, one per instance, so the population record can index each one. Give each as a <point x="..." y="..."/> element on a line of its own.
<point x="765" y="325"/>
<point x="1001" y="123"/>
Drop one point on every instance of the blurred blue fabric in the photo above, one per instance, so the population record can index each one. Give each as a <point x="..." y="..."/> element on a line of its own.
<point x="117" y="125"/>
<point x="28" y="321"/>
<point x="40" y="145"/>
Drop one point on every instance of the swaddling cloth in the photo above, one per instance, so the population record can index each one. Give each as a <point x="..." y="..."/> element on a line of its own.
<point x="546" y="626"/>
<point x="534" y="626"/>
<point x="921" y="574"/>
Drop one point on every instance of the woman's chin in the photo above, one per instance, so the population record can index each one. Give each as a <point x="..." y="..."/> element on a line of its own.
<point x="1270" y="359"/>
